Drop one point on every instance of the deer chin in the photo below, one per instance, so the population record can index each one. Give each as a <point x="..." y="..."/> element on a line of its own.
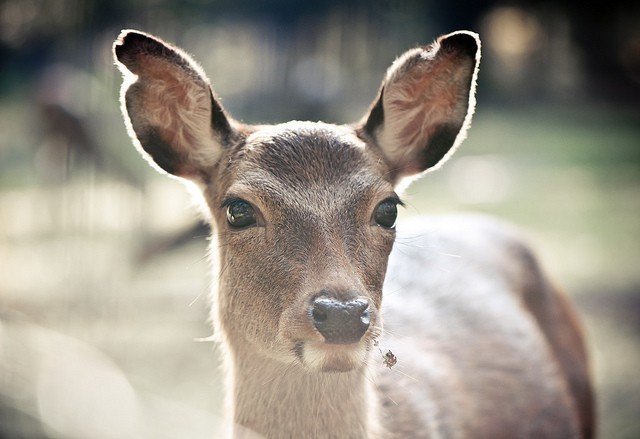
<point x="325" y="357"/>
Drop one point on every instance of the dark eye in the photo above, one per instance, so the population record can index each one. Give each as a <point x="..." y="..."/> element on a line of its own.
<point x="386" y="213"/>
<point x="240" y="214"/>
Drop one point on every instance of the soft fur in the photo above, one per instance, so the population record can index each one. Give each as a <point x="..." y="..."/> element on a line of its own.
<point x="486" y="346"/>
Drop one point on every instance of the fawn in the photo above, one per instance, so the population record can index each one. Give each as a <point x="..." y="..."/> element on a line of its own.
<point x="304" y="218"/>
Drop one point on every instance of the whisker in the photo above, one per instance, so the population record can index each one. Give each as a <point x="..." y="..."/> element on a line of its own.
<point x="281" y="375"/>
<point x="210" y="339"/>
<point x="395" y="291"/>
<point x="194" y="300"/>
<point x="395" y="369"/>
<point x="385" y="331"/>
<point x="371" y="380"/>
<point x="450" y="254"/>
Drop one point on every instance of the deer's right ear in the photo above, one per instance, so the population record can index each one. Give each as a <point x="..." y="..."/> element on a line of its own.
<point x="169" y="107"/>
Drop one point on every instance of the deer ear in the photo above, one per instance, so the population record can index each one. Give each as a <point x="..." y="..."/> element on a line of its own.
<point x="425" y="104"/>
<point x="169" y="107"/>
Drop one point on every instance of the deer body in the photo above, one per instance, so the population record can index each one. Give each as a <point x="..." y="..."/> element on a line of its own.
<point x="475" y="340"/>
<point x="304" y="219"/>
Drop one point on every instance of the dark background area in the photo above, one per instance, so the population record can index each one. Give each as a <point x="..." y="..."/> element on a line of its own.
<point x="103" y="276"/>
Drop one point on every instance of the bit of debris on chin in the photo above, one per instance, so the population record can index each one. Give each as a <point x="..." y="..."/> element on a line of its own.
<point x="389" y="359"/>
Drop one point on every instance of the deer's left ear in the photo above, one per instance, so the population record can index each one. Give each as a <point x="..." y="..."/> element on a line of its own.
<point x="425" y="104"/>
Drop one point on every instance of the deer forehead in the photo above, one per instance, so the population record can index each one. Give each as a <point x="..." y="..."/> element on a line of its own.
<point x="295" y="128"/>
<point x="307" y="164"/>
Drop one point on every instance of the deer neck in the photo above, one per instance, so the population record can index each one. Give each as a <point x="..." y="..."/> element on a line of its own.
<point x="273" y="400"/>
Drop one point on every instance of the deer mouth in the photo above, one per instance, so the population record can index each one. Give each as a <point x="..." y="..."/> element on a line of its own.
<point x="328" y="357"/>
<point x="318" y="347"/>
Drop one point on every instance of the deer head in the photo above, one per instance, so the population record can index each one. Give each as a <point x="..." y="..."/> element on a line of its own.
<point x="303" y="213"/>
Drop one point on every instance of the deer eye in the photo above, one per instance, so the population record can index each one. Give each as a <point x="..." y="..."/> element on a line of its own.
<point x="386" y="213"/>
<point x="240" y="214"/>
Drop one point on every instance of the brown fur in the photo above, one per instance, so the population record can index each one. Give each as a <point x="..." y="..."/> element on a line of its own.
<point x="489" y="348"/>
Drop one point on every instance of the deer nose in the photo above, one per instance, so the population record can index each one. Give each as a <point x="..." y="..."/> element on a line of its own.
<point x="341" y="322"/>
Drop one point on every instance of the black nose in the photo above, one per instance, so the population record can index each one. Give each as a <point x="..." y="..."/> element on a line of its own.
<point x="341" y="322"/>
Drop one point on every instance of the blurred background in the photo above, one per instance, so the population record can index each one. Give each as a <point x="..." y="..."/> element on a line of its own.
<point x="103" y="275"/>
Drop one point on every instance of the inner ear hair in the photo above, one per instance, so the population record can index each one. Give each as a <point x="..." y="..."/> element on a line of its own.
<point x="169" y="106"/>
<point x="425" y="104"/>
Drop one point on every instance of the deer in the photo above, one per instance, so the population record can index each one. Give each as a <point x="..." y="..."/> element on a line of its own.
<point x="481" y="343"/>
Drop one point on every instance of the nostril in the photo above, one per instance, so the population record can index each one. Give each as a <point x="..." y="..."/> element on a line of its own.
<point x="359" y="306"/>
<point x="365" y="317"/>
<point x="319" y="314"/>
